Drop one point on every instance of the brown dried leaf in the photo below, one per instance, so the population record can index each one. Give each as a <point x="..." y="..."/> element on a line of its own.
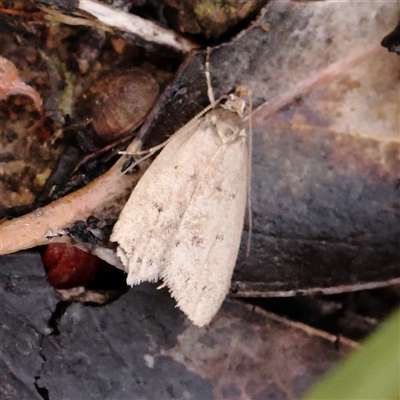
<point x="12" y="84"/>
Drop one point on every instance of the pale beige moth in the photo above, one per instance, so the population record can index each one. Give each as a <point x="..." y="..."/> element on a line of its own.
<point x="184" y="219"/>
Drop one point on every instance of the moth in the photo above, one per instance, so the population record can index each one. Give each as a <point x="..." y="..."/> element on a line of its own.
<point x="184" y="219"/>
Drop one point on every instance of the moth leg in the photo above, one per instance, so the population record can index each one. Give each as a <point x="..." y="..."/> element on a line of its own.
<point x="210" y="92"/>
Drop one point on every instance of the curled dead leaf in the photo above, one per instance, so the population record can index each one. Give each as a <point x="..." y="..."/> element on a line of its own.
<point x="11" y="84"/>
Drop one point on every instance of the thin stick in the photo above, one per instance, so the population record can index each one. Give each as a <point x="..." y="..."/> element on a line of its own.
<point x="141" y="27"/>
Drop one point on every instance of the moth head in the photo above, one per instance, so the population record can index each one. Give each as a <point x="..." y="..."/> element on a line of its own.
<point x="235" y="101"/>
<point x="228" y="124"/>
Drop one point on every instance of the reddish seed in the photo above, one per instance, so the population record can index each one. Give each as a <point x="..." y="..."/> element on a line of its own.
<point x="67" y="266"/>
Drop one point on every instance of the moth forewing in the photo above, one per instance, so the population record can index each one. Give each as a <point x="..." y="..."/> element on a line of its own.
<point x="150" y="217"/>
<point x="184" y="219"/>
<point x="202" y="258"/>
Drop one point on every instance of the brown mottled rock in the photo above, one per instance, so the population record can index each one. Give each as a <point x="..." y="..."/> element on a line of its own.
<point x="211" y="19"/>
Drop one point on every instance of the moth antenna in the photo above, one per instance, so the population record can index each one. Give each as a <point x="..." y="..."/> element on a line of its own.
<point x="137" y="162"/>
<point x="154" y="149"/>
<point x="242" y="91"/>
<point x="250" y="158"/>
<point x="210" y="92"/>
<point x="213" y="103"/>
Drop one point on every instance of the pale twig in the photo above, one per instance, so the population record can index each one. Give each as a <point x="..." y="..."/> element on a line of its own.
<point x="143" y="28"/>
<point x="33" y="229"/>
